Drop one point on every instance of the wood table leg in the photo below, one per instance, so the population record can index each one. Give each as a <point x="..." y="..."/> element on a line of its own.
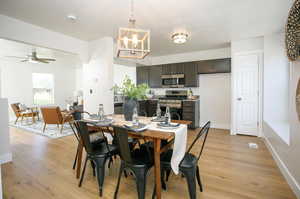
<point x="79" y="160"/>
<point x="157" y="167"/>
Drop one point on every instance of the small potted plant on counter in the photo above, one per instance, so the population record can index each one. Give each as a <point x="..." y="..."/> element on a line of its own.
<point x="132" y="94"/>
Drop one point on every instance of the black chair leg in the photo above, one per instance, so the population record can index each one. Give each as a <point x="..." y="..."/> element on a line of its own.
<point x="190" y="176"/>
<point x="140" y="175"/>
<point x="110" y="162"/>
<point x="100" y="171"/>
<point x="93" y="167"/>
<point x="119" y="180"/>
<point x="75" y="161"/>
<point x="83" y="172"/>
<point x="168" y="172"/>
<point x="163" y="184"/>
<point x="199" y="179"/>
<point x="125" y="174"/>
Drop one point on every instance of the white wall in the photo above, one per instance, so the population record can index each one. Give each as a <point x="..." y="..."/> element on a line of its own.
<point x="192" y="56"/>
<point x="79" y="78"/>
<point x="251" y="44"/>
<point x="120" y="72"/>
<point x="287" y="156"/>
<point x="281" y="124"/>
<point x="5" y="152"/>
<point x="98" y="76"/>
<point x="17" y="80"/>
<point x="276" y="85"/>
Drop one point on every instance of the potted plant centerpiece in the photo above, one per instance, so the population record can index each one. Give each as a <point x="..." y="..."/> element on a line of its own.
<point x="132" y="93"/>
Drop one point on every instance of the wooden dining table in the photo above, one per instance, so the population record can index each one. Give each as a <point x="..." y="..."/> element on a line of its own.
<point x="150" y="135"/>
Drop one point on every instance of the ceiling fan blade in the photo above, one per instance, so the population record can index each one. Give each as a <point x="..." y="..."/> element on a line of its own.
<point x="47" y="59"/>
<point x="16" y="57"/>
<point x="42" y="61"/>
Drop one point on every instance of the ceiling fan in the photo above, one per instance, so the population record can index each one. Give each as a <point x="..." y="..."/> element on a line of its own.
<point x="33" y="58"/>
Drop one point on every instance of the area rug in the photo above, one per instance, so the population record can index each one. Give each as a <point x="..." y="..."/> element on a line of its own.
<point x="52" y="131"/>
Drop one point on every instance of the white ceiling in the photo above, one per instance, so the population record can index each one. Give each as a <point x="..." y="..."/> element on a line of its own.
<point x="211" y="23"/>
<point x="18" y="49"/>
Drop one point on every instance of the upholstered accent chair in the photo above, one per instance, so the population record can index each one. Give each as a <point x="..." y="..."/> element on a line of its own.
<point x="26" y="113"/>
<point x="53" y="115"/>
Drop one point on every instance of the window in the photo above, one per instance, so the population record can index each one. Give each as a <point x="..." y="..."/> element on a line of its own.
<point x="43" y="88"/>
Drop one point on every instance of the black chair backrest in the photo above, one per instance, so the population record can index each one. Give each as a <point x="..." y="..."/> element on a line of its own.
<point x="83" y="132"/>
<point x="121" y="138"/>
<point x="203" y="132"/>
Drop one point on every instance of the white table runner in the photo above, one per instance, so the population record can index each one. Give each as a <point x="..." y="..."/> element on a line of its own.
<point x="180" y="142"/>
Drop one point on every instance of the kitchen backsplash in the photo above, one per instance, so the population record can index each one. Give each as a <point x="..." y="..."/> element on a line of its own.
<point x="162" y="91"/>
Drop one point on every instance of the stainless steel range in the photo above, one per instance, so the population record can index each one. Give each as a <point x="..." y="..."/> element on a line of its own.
<point x="173" y="98"/>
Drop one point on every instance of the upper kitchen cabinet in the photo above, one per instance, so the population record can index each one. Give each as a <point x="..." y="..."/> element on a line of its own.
<point x="172" y="69"/>
<point x="167" y="69"/>
<point x="179" y="68"/>
<point x="155" y="73"/>
<point x="191" y="74"/>
<point x="214" y="66"/>
<point x="142" y="75"/>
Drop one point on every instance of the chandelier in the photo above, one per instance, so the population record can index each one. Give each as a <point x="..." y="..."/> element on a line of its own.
<point x="133" y="43"/>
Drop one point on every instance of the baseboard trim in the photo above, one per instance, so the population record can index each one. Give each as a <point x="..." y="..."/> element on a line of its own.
<point x="284" y="170"/>
<point x="218" y="126"/>
<point x="5" y="158"/>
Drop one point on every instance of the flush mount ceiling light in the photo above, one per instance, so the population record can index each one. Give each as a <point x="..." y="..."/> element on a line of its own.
<point x="179" y="38"/>
<point x="133" y="43"/>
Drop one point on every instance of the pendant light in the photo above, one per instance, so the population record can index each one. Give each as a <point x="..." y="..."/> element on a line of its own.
<point x="133" y="43"/>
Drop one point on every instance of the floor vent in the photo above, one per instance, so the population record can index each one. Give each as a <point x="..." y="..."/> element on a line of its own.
<point x="253" y="145"/>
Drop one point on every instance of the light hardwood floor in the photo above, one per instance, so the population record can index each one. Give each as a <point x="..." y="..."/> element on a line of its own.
<point x="229" y="169"/>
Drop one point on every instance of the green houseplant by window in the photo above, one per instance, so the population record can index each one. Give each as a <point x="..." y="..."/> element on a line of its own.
<point x="132" y="94"/>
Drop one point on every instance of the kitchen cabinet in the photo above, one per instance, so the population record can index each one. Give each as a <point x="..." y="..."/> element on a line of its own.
<point x="142" y="75"/>
<point x="191" y="112"/>
<point x="167" y="69"/>
<point x="155" y="76"/>
<point x="147" y="107"/>
<point x="214" y="66"/>
<point x="179" y="68"/>
<point x="152" y="106"/>
<point x="151" y="75"/>
<point x="142" y="109"/>
<point x="172" y="69"/>
<point x="191" y="74"/>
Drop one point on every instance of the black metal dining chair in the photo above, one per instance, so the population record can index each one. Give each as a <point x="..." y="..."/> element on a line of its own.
<point x="137" y="161"/>
<point x="188" y="166"/>
<point x="77" y="115"/>
<point x="98" y="154"/>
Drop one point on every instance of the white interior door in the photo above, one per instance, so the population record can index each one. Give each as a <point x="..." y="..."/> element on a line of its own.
<point x="247" y="94"/>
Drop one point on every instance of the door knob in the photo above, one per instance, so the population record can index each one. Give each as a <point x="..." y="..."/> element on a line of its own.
<point x="239" y="99"/>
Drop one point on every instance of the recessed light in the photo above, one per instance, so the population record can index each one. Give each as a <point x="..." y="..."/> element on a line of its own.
<point x="179" y="38"/>
<point x="72" y="17"/>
